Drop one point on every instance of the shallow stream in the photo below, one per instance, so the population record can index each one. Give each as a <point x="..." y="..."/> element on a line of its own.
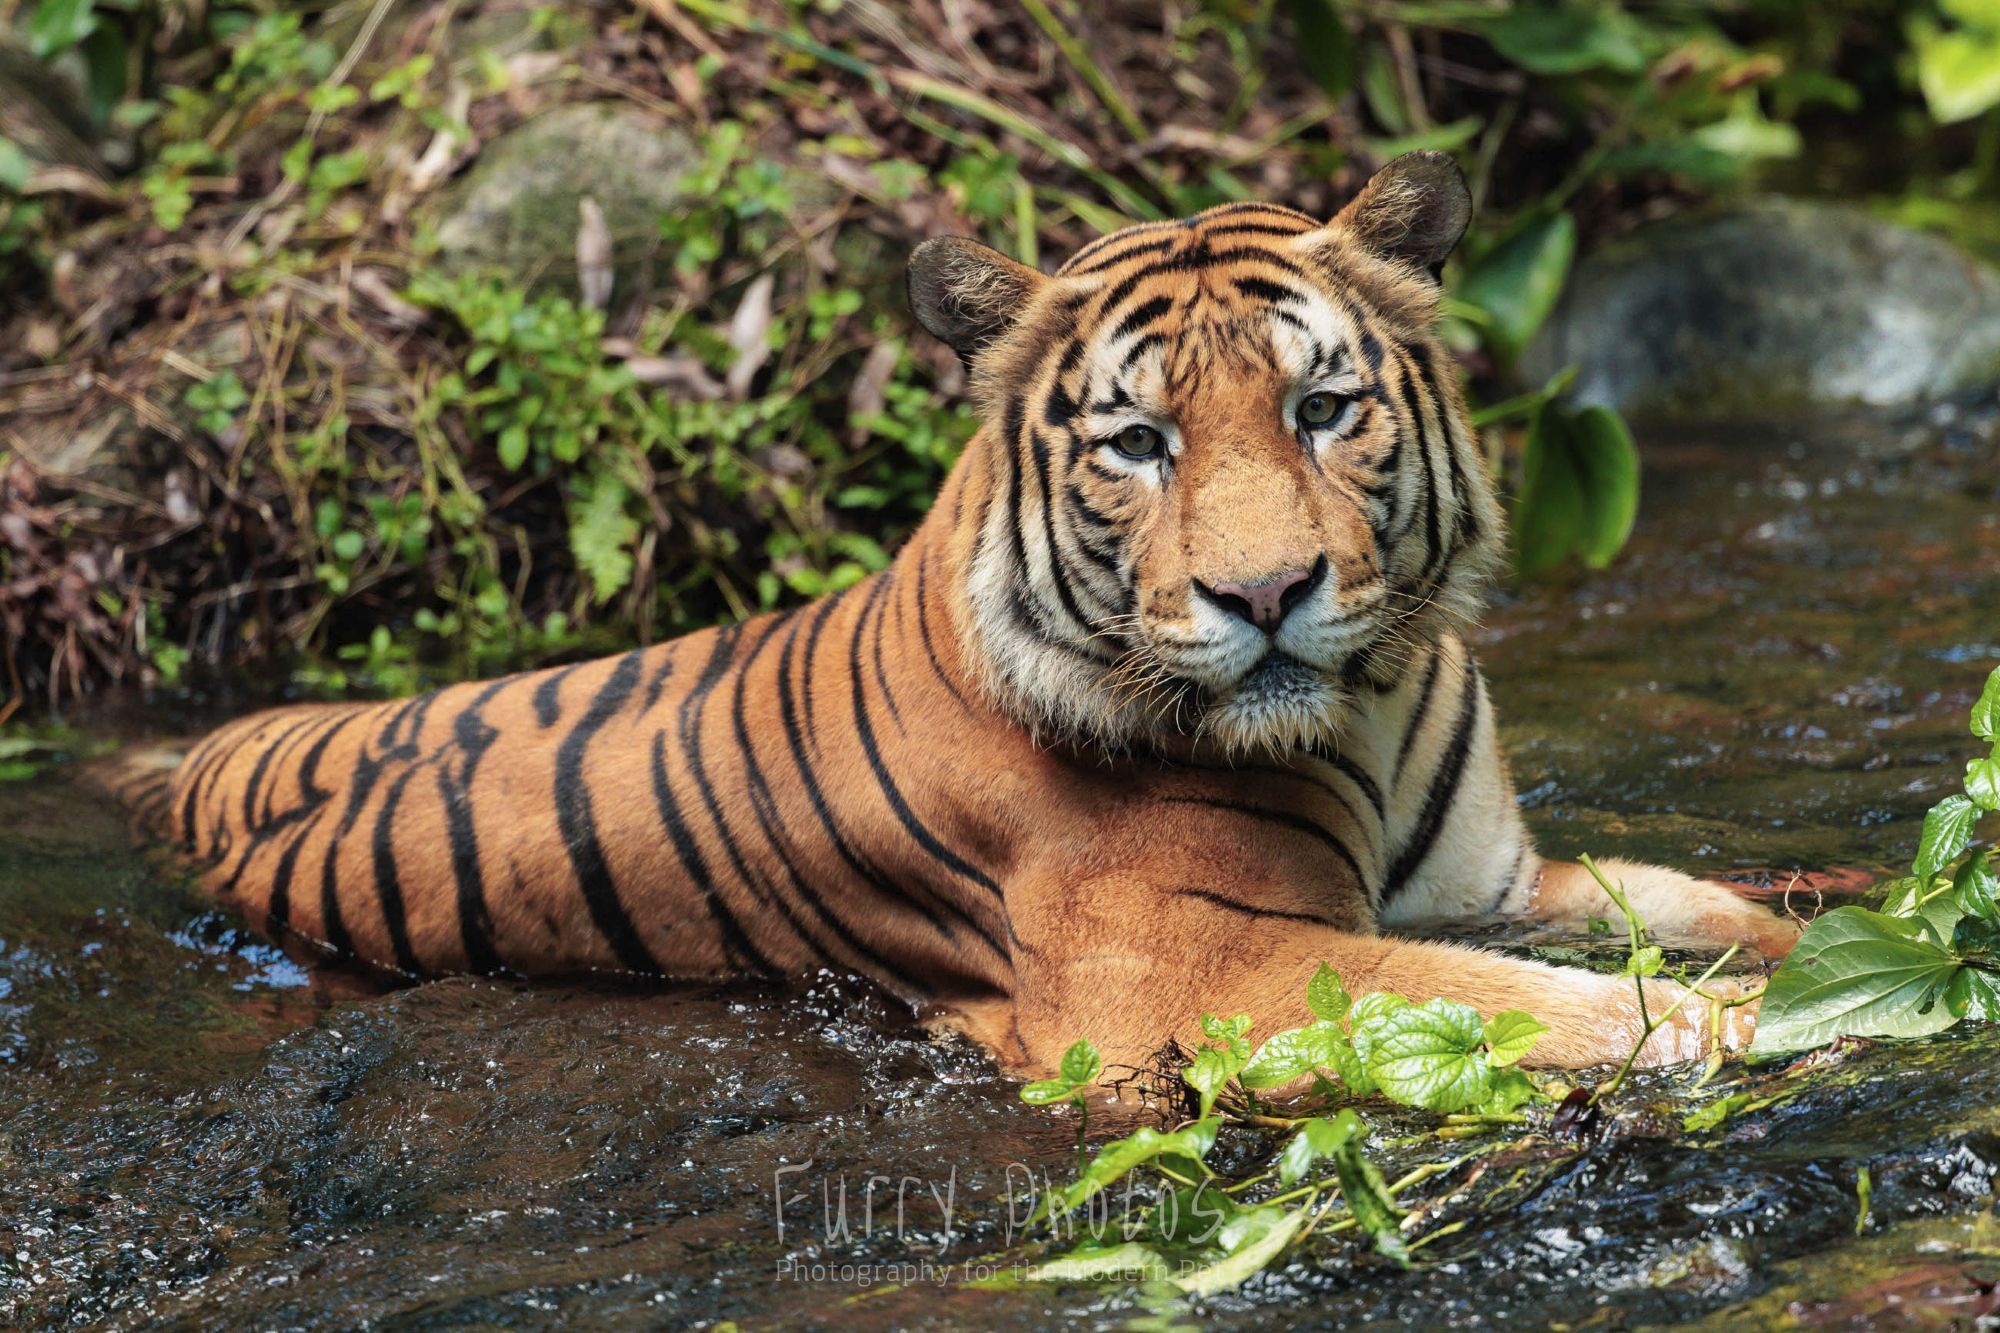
<point x="194" y="1131"/>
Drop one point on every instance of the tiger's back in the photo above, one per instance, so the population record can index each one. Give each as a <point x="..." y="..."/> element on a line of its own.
<point x="685" y="810"/>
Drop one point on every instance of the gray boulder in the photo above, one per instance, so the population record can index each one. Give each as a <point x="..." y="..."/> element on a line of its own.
<point x="515" y="208"/>
<point x="1778" y="307"/>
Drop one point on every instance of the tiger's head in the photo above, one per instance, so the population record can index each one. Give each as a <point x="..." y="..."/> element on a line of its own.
<point x="1225" y="477"/>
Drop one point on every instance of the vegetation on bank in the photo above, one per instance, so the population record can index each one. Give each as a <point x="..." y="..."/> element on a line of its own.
<point x="322" y="444"/>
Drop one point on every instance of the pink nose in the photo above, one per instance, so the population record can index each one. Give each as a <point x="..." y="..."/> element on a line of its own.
<point x="1266" y="602"/>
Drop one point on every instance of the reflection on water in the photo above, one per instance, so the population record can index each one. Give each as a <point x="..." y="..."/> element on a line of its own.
<point x="193" y="1129"/>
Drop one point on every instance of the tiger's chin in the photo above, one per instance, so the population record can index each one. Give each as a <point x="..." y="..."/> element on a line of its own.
<point x="1280" y="706"/>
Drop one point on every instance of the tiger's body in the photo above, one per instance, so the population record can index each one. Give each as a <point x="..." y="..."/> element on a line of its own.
<point x="1119" y="737"/>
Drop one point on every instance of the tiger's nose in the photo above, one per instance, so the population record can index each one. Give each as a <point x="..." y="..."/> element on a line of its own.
<point x="1266" y="602"/>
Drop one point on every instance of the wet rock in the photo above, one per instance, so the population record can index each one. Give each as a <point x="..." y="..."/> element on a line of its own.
<point x="1773" y="308"/>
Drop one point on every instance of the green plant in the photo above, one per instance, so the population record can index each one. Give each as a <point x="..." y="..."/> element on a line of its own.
<point x="1210" y="1232"/>
<point x="1930" y="957"/>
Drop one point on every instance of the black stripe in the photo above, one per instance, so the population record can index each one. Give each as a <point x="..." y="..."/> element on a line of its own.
<point x="1417" y="714"/>
<point x="924" y="630"/>
<point x="1354" y="773"/>
<point x="809" y="781"/>
<point x="1247" y="909"/>
<point x="691" y="711"/>
<point x="1113" y="261"/>
<point x="914" y="826"/>
<point x="1444" y="789"/>
<point x="1039" y="451"/>
<point x="578" y="821"/>
<point x="548" y="696"/>
<point x="388" y="881"/>
<point x="770" y="821"/>
<point x="312" y="799"/>
<point x="1141" y="315"/>
<point x="1285" y="819"/>
<point x="1253" y="229"/>
<point x="471" y="736"/>
<point x="256" y="780"/>
<point x="1263" y="289"/>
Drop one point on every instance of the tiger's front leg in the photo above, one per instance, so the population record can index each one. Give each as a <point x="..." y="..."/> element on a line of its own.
<point x="1678" y="907"/>
<point x="1130" y="965"/>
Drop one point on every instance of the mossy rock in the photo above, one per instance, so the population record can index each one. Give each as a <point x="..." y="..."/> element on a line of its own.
<point x="515" y="209"/>
<point x="1772" y="309"/>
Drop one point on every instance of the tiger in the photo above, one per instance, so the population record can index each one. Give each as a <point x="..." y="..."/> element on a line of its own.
<point x="1166" y="702"/>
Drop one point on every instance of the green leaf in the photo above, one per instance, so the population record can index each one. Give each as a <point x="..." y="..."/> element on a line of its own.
<point x="1326" y="47"/>
<point x="1508" y="1091"/>
<point x="1114" y="1159"/>
<point x="1352" y="1069"/>
<point x="1044" y="1092"/>
<point x="1316" y="1140"/>
<point x="1210" y="1073"/>
<point x="1981" y="14"/>
<point x="1974" y="993"/>
<point x="1255" y="1237"/>
<point x="1446" y="138"/>
<point x="1717" y="1111"/>
<point x="1645" y="961"/>
<point x="1947" y="832"/>
<point x="1564" y="39"/>
<point x="15" y="168"/>
<point x="1090" y="1264"/>
<point x="1958" y="71"/>
<point x="1429" y="1055"/>
<point x="107" y="58"/>
<point x="1610" y="483"/>
<point x="1976" y="888"/>
<point x="600" y="535"/>
<point x="1510" y="1035"/>
<point x="1080" y="1063"/>
<point x="1326" y="997"/>
<point x="1518" y="281"/>
<point x="1292" y="1054"/>
<point x="1855" y="973"/>
<point x="1375" y="1005"/>
<point x="1986" y="712"/>
<point x="1975" y="936"/>
<point x="1982" y="783"/>
<point x="1367" y="1196"/>
<point x="57" y="25"/>
<point x="1747" y="135"/>
<point x="1230" y="1032"/>
<point x="513" y="447"/>
<point x="1579" y="488"/>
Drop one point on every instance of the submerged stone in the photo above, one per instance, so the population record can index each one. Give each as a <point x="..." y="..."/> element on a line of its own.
<point x="1773" y="308"/>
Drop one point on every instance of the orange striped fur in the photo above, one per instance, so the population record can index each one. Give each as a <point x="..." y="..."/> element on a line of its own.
<point x="1136" y="725"/>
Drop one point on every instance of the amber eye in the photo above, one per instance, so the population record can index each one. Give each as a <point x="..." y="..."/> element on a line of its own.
<point x="1138" y="442"/>
<point x="1319" y="409"/>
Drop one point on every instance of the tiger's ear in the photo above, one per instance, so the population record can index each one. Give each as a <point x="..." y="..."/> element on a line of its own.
<point x="1413" y="210"/>
<point x="966" y="294"/>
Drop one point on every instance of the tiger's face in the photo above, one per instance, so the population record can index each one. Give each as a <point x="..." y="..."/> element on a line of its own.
<point x="1226" y="476"/>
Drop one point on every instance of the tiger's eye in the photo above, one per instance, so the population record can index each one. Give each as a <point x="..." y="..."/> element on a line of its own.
<point x="1139" y="442"/>
<point x="1319" y="408"/>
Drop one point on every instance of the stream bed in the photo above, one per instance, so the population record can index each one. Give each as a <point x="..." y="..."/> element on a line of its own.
<point x="194" y="1131"/>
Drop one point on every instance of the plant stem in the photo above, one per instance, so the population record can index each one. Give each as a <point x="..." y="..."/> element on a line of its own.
<point x="1079" y="59"/>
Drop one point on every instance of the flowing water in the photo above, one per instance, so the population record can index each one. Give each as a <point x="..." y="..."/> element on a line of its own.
<point x="194" y="1131"/>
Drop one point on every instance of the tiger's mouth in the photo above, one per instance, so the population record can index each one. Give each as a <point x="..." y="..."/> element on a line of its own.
<point x="1280" y="704"/>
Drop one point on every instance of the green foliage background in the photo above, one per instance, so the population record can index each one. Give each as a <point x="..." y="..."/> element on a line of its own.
<point x="448" y="473"/>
